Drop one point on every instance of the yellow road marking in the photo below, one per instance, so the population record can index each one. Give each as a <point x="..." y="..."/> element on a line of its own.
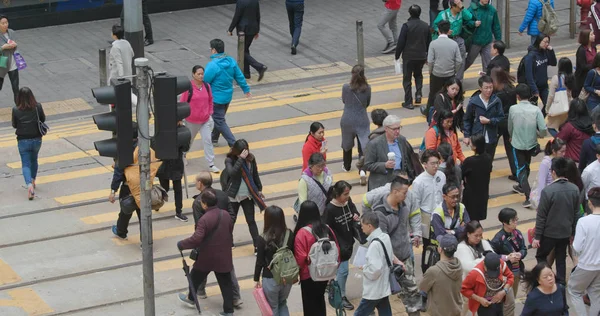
<point x="26" y="299"/>
<point x="238" y="252"/>
<point x="7" y="274"/>
<point x="58" y="158"/>
<point x="73" y="175"/>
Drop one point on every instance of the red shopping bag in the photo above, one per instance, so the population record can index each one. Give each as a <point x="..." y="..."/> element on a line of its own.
<point x="530" y="234"/>
<point x="261" y="300"/>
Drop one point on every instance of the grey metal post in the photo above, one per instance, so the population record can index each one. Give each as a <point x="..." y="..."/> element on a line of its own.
<point x="507" y="22"/>
<point x="102" y="66"/>
<point x="573" y="18"/>
<point x="145" y="184"/>
<point x="241" y="49"/>
<point x="360" y="43"/>
<point x="134" y="30"/>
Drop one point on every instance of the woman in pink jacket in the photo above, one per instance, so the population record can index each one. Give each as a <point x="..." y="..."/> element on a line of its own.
<point x="200" y="120"/>
<point x="313" y="292"/>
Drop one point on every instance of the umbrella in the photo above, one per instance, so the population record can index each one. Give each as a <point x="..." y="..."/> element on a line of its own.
<point x="186" y="269"/>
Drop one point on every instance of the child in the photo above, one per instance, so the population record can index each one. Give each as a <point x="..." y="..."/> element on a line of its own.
<point x="509" y="243"/>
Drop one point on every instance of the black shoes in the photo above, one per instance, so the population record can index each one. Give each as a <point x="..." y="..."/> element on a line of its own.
<point x="148" y="42"/>
<point x="408" y="106"/>
<point x="513" y="178"/>
<point x="418" y="99"/>
<point x="261" y="73"/>
<point x="293" y="50"/>
<point x="346" y="304"/>
<point x="517" y="189"/>
<point x="390" y="47"/>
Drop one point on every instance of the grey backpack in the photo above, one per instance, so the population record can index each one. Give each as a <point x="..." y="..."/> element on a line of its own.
<point x="324" y="258"/>
<point x="548" y="23"/>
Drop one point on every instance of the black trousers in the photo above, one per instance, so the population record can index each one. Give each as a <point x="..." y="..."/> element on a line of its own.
<point x="248" y="208"/>
<point x="145" y="21"/>
<point x="560" y="251"/>
<point x="492" y="310"/>
<point x="347" y="155"/>
<point x="412" y="68"/>
<point x="490" y="149"/>
<point x="435" y="85"/>
<point x="235" y="286"/>
<point x="313" y="297"/>
<point x="178" y="192"/>
<point x="503" y="131"/>
<point x="248" y="59"/>
<point x="13" y="76"/>
<point x="127" y="207"/>
<point x="224" y="280"/>
<point x="522" y="160"/>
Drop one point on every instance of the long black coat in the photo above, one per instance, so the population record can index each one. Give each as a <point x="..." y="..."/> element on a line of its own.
<point x="476" y="172"/>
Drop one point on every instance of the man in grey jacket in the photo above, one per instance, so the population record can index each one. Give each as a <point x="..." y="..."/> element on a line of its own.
<point x="557" y="216"/>
<point x="389" y="155"/>
<point x="444" y="60"/>
<point x="394" y="220"/>
<point x="120" y="59"/>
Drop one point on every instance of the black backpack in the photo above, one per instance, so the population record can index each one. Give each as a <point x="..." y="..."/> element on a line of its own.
<point x="521" y="76"/>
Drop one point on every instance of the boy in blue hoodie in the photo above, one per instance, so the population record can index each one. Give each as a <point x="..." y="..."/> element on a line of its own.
<point x="220" y="72"/>
<point x="587" y="155"/>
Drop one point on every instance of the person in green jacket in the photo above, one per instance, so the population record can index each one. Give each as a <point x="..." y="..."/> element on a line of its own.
<point x="485" y="34"/>
<point x="458" y="18"/>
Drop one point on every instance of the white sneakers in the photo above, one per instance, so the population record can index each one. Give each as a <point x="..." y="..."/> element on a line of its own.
<point x="214" y="169"/>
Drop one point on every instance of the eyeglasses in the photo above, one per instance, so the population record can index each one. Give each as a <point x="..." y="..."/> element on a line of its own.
<point x="394" y="129"/>
<point x="454" y="197"/>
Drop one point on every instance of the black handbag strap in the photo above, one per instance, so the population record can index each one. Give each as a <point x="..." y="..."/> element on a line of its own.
<point x="320" y="185"/>
<point x="37" y="113"/>
<point x="387" y="258"/>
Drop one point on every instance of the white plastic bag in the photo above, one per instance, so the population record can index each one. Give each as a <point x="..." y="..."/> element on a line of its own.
<point x="398" y="66"/>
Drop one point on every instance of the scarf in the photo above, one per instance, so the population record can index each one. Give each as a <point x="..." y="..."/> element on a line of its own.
<point x="252" y="188"/>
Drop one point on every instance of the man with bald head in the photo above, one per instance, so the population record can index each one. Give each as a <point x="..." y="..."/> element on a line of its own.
<point x="204" y="181"/>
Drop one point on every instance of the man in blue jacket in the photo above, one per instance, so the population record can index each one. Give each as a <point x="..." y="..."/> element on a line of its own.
<point x="532" y="17"/>
<point x="483" y="114"/>
<point x="220" y="73"/>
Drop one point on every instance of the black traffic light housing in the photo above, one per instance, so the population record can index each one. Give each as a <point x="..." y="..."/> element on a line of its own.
<point x="168" y="135"/>
<point x="119" y="122"/>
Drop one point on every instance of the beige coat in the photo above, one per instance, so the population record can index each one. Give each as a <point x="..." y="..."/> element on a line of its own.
<point x="555" y="121"/>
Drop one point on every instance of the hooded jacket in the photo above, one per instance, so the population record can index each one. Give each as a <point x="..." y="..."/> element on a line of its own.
<point x="476" y="108"/>
<point x="536" y="68"/>
<point x="220" y="73"/>
<point x="587" y="155"/>
<point x="443" y="282"/>
<point x="340" y="220"/>
<point x="489" y="30"/>
<point x="532" y="17"/>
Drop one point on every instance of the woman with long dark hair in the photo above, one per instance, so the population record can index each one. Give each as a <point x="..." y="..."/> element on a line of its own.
<point x="275" y="235"/>
<point x="354" y="123"/>
<point x="476" y="177"/>
<point x="451" y="98"/>
<point x="577" y="128"/>
<point x="584" y="59"/>
<point x="444" y="131"/>
<point x="315" y="143"/>
<point x="592" y="84"/>
<point x="504" y="88"/>
<point x="341" y="215"/>
<point x="448" y="165"/>
<point x="545" y="297"/>
<point x="536" y="67"/>
<point x="559" y="82"/>
<point x="313" y="292"/>
<point x="242" y="184"/>
<point x="25" y="117"/>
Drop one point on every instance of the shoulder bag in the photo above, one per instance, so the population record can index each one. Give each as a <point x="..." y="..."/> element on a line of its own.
<point x="560" y="104"/>
<point x="196" y="251"/>
<point x="394" y="284"/>
<point x="43" y="127"/>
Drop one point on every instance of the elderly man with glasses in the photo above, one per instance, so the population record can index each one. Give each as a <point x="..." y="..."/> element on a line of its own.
<point x="389" y="155"/>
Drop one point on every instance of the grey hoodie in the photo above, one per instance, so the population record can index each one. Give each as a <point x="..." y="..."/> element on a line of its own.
<point x="442" y="283"/>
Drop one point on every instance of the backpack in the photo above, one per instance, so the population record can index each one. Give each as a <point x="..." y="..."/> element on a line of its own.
<point x="548" y="23"/>
<point x="423" y="147"/>
<point x="521" y="76"/>
<point x="323" y="264"/>
<point x="334" y="295"/>
<point x="283" y="265"/>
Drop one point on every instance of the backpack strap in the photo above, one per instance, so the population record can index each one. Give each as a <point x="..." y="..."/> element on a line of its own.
<point x="285" y="239"/>
<point x="387" y="257"/>
<point x="190" y="93"/>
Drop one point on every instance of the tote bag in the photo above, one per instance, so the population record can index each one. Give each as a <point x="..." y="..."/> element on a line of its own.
<point x="560" y="104"/>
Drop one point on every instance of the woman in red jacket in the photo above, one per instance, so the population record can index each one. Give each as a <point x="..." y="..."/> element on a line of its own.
<point x="444" y="132"/>
<point x="313" y="292"/>
<point x="315" y="143"/>
<point x="487" y="284"/>
<point x="577" y="128"/>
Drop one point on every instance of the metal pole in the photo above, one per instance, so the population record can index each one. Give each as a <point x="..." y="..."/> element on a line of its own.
<point x="134" y="31"/>
<point x="360" y="43"/>
<point x="145" y="184"/>
<point x="507" y="22"/>
<point x="241" y="49"/>
<point x="102" y="66"/>
<point x="572" y="18"/>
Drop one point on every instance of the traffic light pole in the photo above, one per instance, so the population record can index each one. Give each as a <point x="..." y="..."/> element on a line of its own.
<point x="143" y="118"/>
<point x="134" y="31"/>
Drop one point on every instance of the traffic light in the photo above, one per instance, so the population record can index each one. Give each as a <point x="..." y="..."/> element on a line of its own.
<point x="168" y="136"/>
<point x="119" y="122"/>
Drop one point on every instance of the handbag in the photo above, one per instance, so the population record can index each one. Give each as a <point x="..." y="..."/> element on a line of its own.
<point x="20" y="61"/>
<point x="3" y="61"/>
<point x="394" y="285"/>
<point x="560" y="104"/>
<point x="194" y="253"/>
<point x="158" y="197"/>
<point x="42" y="127"/>
<point x="584" y="95"/>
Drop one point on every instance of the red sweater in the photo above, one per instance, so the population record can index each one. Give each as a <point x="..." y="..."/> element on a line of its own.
<point x="393" y="4"/>
<point x="474" y="283"/>
<point x="311" y="146"/>
<point x="302" y="243"/>
<point x="574" y="139"/>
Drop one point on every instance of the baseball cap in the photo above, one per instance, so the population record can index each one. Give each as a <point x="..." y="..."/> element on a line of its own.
<point x="492" y="264"/>
<point x="447" y="242"/>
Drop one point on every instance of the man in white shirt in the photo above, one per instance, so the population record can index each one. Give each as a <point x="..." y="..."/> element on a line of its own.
<point x="120" y="59"/>
<point x="427" y="192"/>
<point x="587" y="273"/>
<point x="591" y="173"/>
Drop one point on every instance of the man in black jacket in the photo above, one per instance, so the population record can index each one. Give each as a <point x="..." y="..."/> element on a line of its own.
<point x="127" y="202"/>
<point x="498" y="58"/>
<point x="247" y="20"/>
<point x="557" y="215"/>
<point x="413" y="44"/>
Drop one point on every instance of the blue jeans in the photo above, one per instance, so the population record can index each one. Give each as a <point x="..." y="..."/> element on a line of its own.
<point x="277" y="296"/>
<point x="366" y="307"/>
<point x="221" y="126"/>
<point x="342" y="276"/>
<point x="295" y="13"/>
<point x="29" y="149"/>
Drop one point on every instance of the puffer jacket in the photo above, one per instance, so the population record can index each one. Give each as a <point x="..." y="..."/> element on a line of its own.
<point x="532" y="16"/>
